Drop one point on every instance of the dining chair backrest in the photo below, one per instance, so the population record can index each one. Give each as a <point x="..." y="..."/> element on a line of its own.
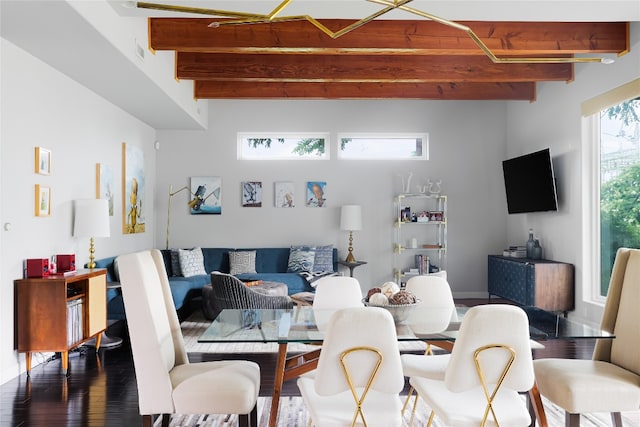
<point x="491" y="324"/>
<point x="621" y="315"/>
<point x="156" y="340"/>
<point x="357" y="327"/>
<point x="337" y="292"/>
<point x="433" y="292"/>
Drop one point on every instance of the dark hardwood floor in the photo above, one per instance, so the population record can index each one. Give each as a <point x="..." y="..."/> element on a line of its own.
<point x="101" y="388"/>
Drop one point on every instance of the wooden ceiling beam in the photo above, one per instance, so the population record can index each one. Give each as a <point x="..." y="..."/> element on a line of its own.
<point x="361" y="68"/>
<point x="333" y="90"/>
<point x="391" y="37"/>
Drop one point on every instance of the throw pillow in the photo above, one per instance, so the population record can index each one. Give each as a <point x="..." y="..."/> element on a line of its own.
<point x="323" y="260"/>
<point x="175" y="263"/>
<point x="242" y="262"/>
<point x="300" y="260"/>
<point x="191" y="262"/>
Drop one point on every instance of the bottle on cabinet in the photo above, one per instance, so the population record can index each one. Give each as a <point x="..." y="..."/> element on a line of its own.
<point x="530" y="244"/>
<point x="537" y="250"/>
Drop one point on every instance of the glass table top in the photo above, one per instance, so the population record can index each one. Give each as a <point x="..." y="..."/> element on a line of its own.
<point x="305" y="324"/>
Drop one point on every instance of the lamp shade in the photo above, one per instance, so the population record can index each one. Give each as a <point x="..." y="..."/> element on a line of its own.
<point x="351" y="218"/>
<point x="91" y="218"/>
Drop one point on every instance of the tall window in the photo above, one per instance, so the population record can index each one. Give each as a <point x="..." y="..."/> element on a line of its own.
<point x="619" y="149"/>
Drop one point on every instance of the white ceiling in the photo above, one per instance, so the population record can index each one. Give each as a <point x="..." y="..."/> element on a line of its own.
<point x="58" y="34"/>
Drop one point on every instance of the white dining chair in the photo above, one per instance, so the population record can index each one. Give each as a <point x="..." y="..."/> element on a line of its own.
<point x="332" y="293"/>
<point x="167" y="382"/>
<point x="490" y="364"/>
<point x="435" y="294"/>
<point x="359" y="374"/>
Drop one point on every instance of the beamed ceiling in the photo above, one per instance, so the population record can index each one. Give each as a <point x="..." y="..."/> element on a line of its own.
<point x="384" y="59"/>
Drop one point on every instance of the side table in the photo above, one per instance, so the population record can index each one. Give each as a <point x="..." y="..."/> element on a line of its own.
<point x="352" y="265"/>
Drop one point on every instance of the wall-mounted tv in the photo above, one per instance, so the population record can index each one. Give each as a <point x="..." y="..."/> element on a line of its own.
<point x="529" y="183"/>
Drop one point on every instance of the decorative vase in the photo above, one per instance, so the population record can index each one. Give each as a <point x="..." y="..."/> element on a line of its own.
<point x="530" y="244"/>
<point x="537" y="250"/>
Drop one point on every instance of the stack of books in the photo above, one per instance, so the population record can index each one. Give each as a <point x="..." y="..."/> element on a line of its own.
<point x="515" y="252"/>
<point x="422" y="263"/>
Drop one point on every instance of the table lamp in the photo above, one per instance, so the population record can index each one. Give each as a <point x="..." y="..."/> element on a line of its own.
<point x="91" y="220"/>
<point x="351" y="220"/>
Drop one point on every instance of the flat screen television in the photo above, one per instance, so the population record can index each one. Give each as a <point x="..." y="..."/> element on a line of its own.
<point x="529" y="183"/>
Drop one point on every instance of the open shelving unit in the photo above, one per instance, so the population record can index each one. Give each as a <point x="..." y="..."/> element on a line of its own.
<point x="420" y="219"/>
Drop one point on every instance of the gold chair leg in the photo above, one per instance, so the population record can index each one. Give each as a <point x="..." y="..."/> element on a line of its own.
<point x="431" y="416"/>
<point x="406" y="402"/>
<point x="413" y="411"/>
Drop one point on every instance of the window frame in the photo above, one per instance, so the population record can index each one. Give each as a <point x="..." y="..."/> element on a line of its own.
<point x="241" y="138"/>
<point x="424" y="136"/>
<point x="591" y="253"/>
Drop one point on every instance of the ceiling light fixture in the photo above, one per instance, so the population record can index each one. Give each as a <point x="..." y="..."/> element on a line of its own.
<point x="239" y="18"/>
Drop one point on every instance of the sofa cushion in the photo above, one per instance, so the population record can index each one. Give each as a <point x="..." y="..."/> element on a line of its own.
<point x="191" y="262"/>
<point x="175" y="263"/>
<point x="300" y="260"/>
<point x="242" y="262"/>
<point x="323" y="260"/>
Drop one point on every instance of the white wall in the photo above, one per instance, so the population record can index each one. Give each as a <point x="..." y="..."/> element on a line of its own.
<point x="467" y="144"/>
<point x="41" y="107"/>
<point x="554" y="121"/>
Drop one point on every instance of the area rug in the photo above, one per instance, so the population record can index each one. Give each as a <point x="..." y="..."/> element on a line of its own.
<point x="294" y="414"/>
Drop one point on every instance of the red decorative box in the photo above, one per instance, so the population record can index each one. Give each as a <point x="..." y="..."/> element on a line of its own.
<point x="66" y="263"/>
<point x="37" y="267"/>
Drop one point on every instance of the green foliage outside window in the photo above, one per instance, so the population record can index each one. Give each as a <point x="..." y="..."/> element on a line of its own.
<point x="620" y="188"/>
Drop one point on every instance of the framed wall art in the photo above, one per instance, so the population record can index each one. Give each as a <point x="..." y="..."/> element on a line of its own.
<point x="316" y="197"/>
<point x="43" y="161"/>
<point x="252" y="194"/>
<point x="133" y="189"/>
<point x="206" y="195"/>
<point x="104" y="184"/>
<point x="284" y="195"/>
<point x="43" y="200"/>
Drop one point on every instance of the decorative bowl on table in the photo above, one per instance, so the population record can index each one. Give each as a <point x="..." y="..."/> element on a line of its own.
<point x="399" y="312"/>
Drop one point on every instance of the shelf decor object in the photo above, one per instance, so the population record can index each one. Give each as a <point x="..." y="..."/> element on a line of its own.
<point x="351" y="220"/>
<point x="91" y="220"/>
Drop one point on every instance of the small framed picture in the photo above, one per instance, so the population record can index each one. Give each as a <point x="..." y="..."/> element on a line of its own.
<point x="436" y="216"/>
<point x="252" y="194"/>
<point x="405" y="214"/>
<point x="316" y="197"/>
<point x="43" y="161"/>
<point x="43" y="200"/>
<point x="284" y="195"/>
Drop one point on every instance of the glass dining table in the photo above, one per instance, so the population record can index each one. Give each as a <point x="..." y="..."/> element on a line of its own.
<point x="304" y="324"/>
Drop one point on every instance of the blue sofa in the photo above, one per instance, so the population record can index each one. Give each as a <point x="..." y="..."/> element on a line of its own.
<point x="271" y="265"/>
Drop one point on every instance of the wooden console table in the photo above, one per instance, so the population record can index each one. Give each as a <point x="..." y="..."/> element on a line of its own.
<point x="59" y="313"/>
<point x="545" y="284"/>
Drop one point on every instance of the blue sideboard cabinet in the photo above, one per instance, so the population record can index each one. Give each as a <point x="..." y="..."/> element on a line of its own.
<point x="545" y="284"/>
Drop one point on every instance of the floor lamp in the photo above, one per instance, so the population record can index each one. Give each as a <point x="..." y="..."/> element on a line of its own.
<point x="171" y="194"/>
<point x="351" y="220"/>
